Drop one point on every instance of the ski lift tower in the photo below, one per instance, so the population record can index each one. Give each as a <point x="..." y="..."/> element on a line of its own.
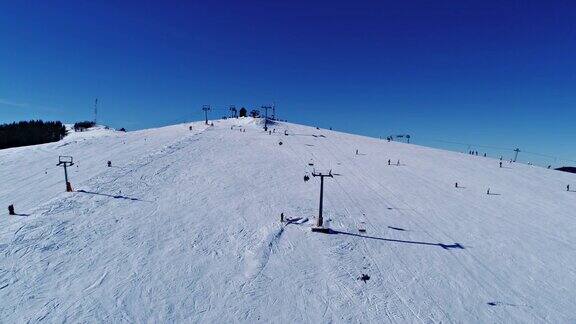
<point x="516" y="151"/>
<point x="66" y="161"/>
<point x="320" y="222"/>
<point x="406" y="136"/>
<point x="266" y="116"/>
<point x="206" y="109"/>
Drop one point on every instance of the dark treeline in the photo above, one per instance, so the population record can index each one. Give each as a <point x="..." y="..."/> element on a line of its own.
<point x="30" y="133"/>
<point x="81" y="126"/>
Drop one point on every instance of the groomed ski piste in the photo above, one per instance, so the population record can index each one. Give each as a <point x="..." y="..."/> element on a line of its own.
<point x="185" y="227"/>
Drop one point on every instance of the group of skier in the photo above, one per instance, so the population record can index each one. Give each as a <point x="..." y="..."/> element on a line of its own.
<point x="471" y="152"/>
<point x="397" y="162"/>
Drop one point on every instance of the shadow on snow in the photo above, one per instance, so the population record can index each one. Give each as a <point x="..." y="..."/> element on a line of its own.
<point x="444" y="246"/>
<point x="111" y="196"/>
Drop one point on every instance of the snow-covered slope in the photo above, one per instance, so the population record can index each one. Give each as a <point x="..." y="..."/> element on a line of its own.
<point x="185" y="226"/>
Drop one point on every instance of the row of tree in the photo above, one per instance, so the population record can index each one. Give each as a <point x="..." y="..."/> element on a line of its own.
<point x="244" y="113"/>
<point x="30" y="133"/>
<point x="253" y="113"/>
<point x="82" y="126"/>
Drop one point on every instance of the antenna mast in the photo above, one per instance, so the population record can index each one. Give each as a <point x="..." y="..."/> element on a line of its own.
<point x="96" y="111"/>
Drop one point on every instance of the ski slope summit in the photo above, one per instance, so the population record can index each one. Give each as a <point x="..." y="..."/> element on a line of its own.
<point x="185" y="227"/>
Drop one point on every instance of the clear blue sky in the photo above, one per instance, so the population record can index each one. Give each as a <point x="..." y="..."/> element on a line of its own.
<point x="495" y="73"/>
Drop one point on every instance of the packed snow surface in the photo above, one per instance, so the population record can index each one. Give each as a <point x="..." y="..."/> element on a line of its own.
<point x="185" y="227"/>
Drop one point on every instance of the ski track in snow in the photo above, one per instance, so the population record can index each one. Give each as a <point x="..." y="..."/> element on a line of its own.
<point x="185" y="227"/>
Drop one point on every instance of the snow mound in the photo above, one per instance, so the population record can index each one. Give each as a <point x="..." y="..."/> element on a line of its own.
<point x="185" y="226"/>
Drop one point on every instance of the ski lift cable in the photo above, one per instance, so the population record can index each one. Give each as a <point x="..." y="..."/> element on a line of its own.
<point x="298" y="156"/>
<point x="416" y="213"/>
<point x="367" y="184"/>
<point x="421" y="227"/>
<point x="548" y="156"/>
<point x="420" y="216"/>
<point x="503" y="148"/>
<point x="370" y="223"/>
<point x="472" y="144"/>
<point x="356" y="202"/>
<point x="374" y="190"/>
<point x="353" y="201"/>
<point x="341" y="187"/>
